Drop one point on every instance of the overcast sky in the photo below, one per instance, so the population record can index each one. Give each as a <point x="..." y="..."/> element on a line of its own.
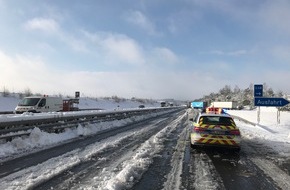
<point x="181" y="49"/>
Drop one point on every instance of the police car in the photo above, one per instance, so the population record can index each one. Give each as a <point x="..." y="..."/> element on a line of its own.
<point x="215" y="128"/>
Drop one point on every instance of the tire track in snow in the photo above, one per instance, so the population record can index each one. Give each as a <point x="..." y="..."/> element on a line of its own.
<point x="174" y="176"/>
<point x="33" y="176"/>
<point x="281" y="178"/>
<point x="133" y="168"/>
<point x="204" y="173"/>
<point x="119" y="146"/>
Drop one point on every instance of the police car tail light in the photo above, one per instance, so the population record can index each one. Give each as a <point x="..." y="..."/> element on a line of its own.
<point x="198" y="129"/>
<point x="235" y="132"/>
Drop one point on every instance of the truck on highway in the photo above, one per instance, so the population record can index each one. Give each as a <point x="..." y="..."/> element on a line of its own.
<point x="226" y="105"/>
<point x="37" y="104"/>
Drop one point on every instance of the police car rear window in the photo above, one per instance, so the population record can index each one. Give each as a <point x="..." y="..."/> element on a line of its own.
<point x="215" y="120"/>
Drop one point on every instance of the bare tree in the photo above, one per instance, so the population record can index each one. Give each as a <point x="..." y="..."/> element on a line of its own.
<point x="27" y="92"/>
<point x="280" y="94"/>
<point x="237" y="89"/>
<point x="270" y="92"/>
<point x="6" y="92"/>
<point x="226" y="90"/>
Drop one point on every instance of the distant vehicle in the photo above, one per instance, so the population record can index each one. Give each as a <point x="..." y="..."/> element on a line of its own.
<point x="37" y="104"/>
<point x="215" y="128"/>
<point x="226" y="105"/>
<point x="163" y="104"/>
<point x="141" y="106"/>
<point x="70" y="104"/>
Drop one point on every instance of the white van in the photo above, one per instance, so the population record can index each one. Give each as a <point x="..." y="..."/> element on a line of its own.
<point x="37" y="104"/>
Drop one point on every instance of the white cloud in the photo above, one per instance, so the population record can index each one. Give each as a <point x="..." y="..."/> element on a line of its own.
<point x="143" y="84"/>
<point x="51" y="26"/>
<point x="20" y="72"/>
<point x="165" y="55"/>
<point x="43" y="24"/>
<point x="139" y="19"/>
<point x="123" y="47"/>
<point x="117" y="47"/>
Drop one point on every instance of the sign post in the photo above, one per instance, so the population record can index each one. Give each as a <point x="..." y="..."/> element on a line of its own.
<point x="271" y="102"/>
<point x="278" y="116"/>
<point x="258" y="92"/>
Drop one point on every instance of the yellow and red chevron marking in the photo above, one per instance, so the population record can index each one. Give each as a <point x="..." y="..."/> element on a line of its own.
<point x="225" y="127"/>
<point x="216" y="136"/>
<point x="233" y="123"/>
<point x="217" y="139"/>
<point x="200" y="121"/>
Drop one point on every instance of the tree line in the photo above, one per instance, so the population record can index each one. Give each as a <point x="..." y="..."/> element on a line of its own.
<point x="244" y="97"/>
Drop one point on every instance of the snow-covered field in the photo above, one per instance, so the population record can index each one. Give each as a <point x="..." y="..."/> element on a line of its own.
<point x="9" y="103"/>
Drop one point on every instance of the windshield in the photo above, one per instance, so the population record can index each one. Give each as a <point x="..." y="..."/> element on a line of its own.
<point x="29" y="102"/>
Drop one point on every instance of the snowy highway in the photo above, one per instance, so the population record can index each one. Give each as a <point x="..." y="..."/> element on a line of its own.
<point x="151" y="153"/>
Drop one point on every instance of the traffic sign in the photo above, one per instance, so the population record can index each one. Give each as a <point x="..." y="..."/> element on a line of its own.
<point x="197" y="104"/>
<point x="77" y="94"/>
<point x="258" y="90"/>
<point x="271" y="102"/>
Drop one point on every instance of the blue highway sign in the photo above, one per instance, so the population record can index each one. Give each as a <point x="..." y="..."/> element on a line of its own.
<point x="258" y="90"/>
<point x="197" y="104"/>
<point x="271" y="102"/>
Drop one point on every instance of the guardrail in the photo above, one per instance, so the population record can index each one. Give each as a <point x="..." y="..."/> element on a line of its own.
<point x="244" y="120"/>
<point x="11" y="112"/>
<point x="6" y="112"/>
<point x="15" y="125"/>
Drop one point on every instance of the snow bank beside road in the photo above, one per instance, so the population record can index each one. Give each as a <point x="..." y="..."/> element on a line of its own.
<point x="38" y="139"/>
<point x="268" y="116"/>
<point x="268" y="132"/>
